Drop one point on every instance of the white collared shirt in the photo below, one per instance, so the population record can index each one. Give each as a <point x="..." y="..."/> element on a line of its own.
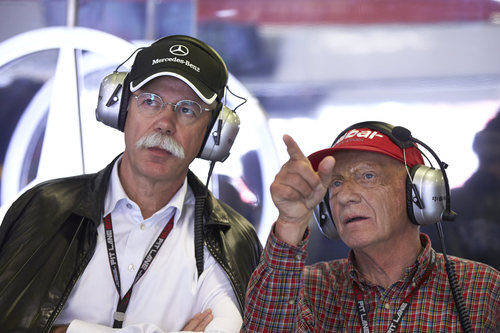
<point x="170" y="293"/>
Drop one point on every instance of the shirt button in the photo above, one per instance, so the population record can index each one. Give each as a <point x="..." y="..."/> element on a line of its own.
<point x="387" y="306"/>
<point x="291" y="301"/>
<point x="298" y="256"/>
<point x="143" y="226"/>
<point x="413" y="284"/>
<point x="129" y="206"/>
<point x="131" y="267"/>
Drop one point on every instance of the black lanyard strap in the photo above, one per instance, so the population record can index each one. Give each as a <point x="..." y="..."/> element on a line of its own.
<point x="403" y="308"/>
<point x="121" y="308"/>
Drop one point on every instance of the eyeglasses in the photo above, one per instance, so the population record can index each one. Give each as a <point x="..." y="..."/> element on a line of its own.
<point x="187" y="111"/>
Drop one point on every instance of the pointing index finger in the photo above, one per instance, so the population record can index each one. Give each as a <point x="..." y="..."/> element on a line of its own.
<point x="293" y="148"/>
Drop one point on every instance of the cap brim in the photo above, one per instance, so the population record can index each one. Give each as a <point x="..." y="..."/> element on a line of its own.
<point x="317" y="157"/>
<point x="203" y="92"/>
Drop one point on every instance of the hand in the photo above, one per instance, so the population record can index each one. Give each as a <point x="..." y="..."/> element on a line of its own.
<point x="296" y="190"/>
<point x="59" y="329"/>
<point x="199" y="322"/>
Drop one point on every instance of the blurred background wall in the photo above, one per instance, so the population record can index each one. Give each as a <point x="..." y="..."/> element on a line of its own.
<point x="312" y="67"/>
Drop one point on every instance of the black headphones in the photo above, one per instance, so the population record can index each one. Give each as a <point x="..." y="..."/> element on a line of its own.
<point x="427" y="188"/>
<point x="114" y="95"/>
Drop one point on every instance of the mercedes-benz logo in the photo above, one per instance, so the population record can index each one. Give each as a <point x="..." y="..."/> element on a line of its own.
<point x="179" y="50"/>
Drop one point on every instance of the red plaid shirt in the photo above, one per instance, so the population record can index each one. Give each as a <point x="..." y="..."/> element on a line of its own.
<point x="284" y="295"/>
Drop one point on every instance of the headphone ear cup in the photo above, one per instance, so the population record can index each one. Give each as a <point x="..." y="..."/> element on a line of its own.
<point x="221" y="136"/>
<point x="411" y="197"/>
<point x="112" y="94"/>
<point x="430" y="185"/>
<point x="323" y="217"/>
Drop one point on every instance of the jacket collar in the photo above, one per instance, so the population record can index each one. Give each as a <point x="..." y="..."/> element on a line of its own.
<point x="214" y="214"/>
<point x="91" y="203"/>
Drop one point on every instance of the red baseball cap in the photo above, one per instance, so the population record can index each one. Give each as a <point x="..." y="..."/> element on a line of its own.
<point x="366" y="139"/>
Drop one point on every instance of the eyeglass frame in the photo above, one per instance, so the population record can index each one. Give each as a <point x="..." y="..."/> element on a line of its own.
<point x="174" y="105"/>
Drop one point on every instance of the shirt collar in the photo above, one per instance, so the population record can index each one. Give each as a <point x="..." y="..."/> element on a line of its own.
<point x="426" y="257"/>
<point x="116" y="194"/>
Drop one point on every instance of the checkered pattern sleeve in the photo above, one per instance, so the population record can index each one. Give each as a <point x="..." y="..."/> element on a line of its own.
<point x="284" y="295"/>
<point x="480" y="285"/>
<point x="273" y="290"/>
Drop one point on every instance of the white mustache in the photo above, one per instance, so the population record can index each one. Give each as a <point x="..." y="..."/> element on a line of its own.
<point x="165" y="142"/>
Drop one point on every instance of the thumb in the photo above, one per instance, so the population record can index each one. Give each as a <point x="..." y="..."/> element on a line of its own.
<point x="325" y="170"/>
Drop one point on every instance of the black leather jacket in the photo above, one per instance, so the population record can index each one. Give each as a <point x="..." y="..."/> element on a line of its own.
<point x="49" y="234"/>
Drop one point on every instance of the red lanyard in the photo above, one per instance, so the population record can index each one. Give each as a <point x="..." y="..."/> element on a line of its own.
<point x="403" y="308"/>
<point x="121" y="308"/>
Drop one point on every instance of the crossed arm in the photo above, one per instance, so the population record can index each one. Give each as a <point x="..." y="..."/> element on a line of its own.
<point x="197" y="324"/>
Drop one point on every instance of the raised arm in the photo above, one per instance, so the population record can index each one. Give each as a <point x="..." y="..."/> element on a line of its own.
<point x="296" y="190"/>
<point x="273" y="292"/>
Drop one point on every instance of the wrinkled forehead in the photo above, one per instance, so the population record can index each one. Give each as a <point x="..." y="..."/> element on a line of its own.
<point x="351" y="158"/>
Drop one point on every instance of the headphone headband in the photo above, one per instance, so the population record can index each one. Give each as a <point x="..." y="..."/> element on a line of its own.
<point x="380" y="126"/>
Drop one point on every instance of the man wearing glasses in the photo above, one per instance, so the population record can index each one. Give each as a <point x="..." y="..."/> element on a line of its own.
<point x="142" y="245"/>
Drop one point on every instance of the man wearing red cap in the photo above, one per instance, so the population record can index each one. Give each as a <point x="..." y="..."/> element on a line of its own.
<point x="392" y="279"/>
<point x="142" y="245"/>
